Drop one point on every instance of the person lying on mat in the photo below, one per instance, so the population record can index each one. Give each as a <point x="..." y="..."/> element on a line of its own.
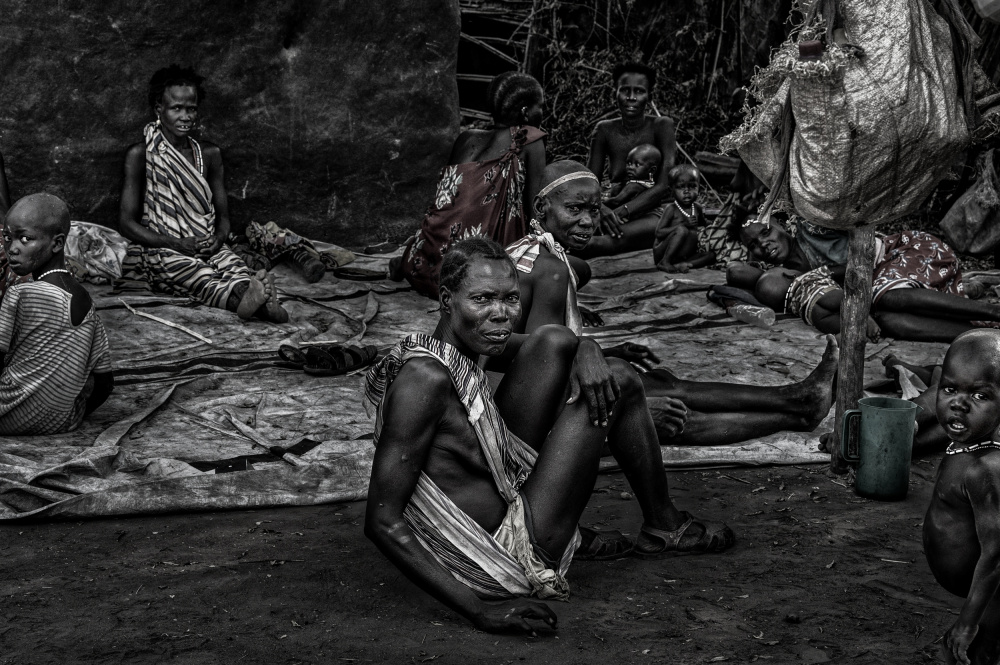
<point x="908" y="306"/>
<point x="566" y="214"/>
<point x="175" y="212"/>
<point x="476" y="498"/>
<point x="53" y="347"/>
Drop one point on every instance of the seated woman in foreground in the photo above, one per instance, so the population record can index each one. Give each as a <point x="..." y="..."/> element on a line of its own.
<point x="53" y="347"/>
<point x="491" y="179"/>
<point x="175" y="211"/>
<point x="566" y="216"/>
<point x="476" y="498"/>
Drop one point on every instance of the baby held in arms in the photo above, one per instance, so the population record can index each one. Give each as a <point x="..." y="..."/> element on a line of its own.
<point x="53" y="347"/>
<point x="641" y="166"/>
<point x="961" y="528"/>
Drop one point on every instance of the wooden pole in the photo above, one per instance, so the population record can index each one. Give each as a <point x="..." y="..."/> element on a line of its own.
<point x="854" y="313"/>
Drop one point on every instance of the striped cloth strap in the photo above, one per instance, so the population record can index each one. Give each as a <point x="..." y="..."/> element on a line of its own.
<point x="178" y="199"/>
<point x="455" y="540"/>
<point x="524" y="252"/>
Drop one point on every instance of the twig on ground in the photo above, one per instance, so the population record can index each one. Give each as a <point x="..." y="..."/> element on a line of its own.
<point x="165" y="322"/>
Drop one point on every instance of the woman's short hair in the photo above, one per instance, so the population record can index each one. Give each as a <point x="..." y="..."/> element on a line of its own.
<point x="173" y="75"/>
<point x="460" y="255"/>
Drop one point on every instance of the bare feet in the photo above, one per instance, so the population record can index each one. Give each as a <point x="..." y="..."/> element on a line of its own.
<point x="261" y="300"/>
<point x="253" y="298"/>
<point x="272" y="310"/>
<point x="815" y="392"/>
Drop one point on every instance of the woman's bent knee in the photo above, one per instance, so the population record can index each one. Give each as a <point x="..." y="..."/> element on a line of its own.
<point x="553" y="341"/>
<point x="626" y="375"/>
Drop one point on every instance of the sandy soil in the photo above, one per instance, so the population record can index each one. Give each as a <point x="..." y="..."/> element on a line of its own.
<point x="818" y="575"/>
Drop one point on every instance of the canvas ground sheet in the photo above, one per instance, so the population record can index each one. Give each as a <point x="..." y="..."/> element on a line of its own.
<point x="166" y="440"/>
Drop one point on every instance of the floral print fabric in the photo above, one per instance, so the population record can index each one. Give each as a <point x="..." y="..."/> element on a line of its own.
<point x="474" y="198"/>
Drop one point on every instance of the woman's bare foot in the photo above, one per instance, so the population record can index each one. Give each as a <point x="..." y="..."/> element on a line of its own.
<point x="271" y="310"/>
<point x="253" y="298"/>
<point x="815" y="393"/>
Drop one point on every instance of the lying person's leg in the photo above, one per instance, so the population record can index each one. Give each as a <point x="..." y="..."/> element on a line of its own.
<point x="718" y="429"/>
<point x="931" y="303"/>
<point x="917" y="328"/>
<point x="805" y="398"/>
<point x="636" y="234"/>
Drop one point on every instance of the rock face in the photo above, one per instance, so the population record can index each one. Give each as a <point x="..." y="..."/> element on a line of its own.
<point x="334" y="116"/>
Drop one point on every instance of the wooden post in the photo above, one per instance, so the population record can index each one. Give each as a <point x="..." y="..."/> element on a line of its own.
<point x="853" y="325"/>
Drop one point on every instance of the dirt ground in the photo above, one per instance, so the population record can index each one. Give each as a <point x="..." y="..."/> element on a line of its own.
<point x="818" y="575"/>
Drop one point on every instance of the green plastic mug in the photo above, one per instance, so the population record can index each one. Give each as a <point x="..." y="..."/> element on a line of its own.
<point x="883" y="428"/>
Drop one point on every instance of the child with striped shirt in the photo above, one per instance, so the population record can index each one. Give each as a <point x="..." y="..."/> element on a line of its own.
<point x="53" y="347"/>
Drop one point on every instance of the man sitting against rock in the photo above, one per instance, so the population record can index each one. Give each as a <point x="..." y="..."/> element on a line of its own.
<point x="175" y="212"/>
<point x="477" y="497"/>
<point x="566" y="212"/>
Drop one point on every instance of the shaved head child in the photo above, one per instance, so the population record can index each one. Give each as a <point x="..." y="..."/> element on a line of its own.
<point x="53" y="347"/>
<point x="962" y="526"/>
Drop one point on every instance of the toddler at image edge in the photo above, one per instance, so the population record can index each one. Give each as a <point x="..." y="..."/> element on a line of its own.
<point x="962" y="525"/>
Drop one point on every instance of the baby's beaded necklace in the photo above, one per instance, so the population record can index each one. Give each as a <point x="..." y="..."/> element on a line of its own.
<point x="49" y="272"/>
<point x="979" y="446"/>
<point x="683" y="211"/>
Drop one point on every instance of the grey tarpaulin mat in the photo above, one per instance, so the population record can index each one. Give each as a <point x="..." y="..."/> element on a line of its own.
<point x="185" y="453"/>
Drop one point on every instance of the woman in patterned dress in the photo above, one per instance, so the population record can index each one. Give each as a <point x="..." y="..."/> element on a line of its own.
<point x="491" y="178"/>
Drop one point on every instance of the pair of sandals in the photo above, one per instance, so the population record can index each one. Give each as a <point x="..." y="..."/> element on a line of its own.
<point x="609" y="545"/>
<point x="329" y="359"/>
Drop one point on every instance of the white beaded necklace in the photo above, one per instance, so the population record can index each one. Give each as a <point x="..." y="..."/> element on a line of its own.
<point x="683" y="211"/>
<point x="49" y="272"/>
<point x="979" y="446"/>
